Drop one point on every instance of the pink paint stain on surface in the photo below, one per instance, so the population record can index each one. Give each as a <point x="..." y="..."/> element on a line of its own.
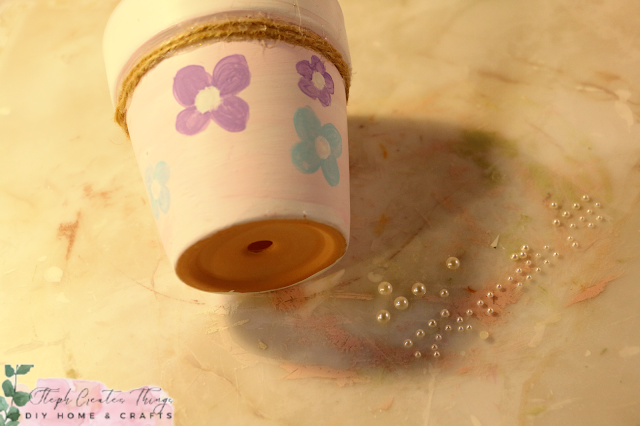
<point x="341" y="377"/>
<point x="65" y="402"/>
<point x="593" y="291"/>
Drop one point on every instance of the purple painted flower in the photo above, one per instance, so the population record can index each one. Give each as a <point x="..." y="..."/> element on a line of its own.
<point x="212" y="96"/>
<point x="315" y="81"/>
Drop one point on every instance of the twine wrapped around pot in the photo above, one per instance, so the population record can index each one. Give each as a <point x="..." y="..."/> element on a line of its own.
<point x="242" y="29"/>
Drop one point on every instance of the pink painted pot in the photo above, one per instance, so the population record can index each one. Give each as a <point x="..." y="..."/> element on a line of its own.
<point x="242" y="145"/>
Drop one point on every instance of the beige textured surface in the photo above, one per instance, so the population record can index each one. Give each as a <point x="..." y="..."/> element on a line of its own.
<point x="466" y="120"/>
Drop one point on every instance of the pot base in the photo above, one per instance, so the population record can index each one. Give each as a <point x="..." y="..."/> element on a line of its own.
<point x="261" y="256"/>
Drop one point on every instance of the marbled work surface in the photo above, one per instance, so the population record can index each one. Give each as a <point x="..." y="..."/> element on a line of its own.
<point x="467" y="119"/>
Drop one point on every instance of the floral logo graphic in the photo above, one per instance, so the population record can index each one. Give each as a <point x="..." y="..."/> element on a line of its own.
<point x="315" y="81"/>
<point x="11" y="414"/>
<point x="319" y="146"/>
<point x="156" y="181"/>
<point x="212" y="96"/>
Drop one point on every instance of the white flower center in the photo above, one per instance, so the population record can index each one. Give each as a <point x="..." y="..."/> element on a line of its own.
<point x="208" y="99"/>
<point x="322" y="147"/>
<point x="155" y="189"/>
<point x="318" y="80"/>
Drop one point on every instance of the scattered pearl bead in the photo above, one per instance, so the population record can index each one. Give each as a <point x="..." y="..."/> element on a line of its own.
<point x="569" y="238"/>
<point x="438" y="337"/>
<point x="590" y="225"/>
<point x="589" y="211"/>
<point x="479" y="303"/>
<point x="490" y="311"/>
<point x="499" y="287"/>
<point x="383" y="316"/>
<point x="599" y="218"/>
<point x="528" y="277"/>
<point x="518" y="284"/>
<point x="433" y="323"/>
<point x="556" y="254"/>
<point x="459" y="319"/>
<point x="401" y="303"/>
<point x="385" y="288"/>
<point x="554" y="205"/>
<point x="573" y="225"/>
<point x="447" y="327"/>
<point x="408" y="343"/>
<point x="420" y="333"/>
<point x="556" y="222"/>
<point x="461" y="328"/>
<point x="514" y="256"/>
<point x="538" y="255"/>
<point x="576" y="206"/>
<point x="575" y="245"/>
<point x="525" y="248"/>
<point x="453" y="263"/>
<point x="490" y="295"/>
<point x="528" y="263"/>
<point x="547" y="247"/>
<point x="519" y="271"/>
<point x="585" y="198"/>
<point x="538" y="269"/>
<point x="469" y="312"/>
<point x="444" y="313"/>
<point x="583" y="219"/>
<point x="444" y="293"/>
<point x="418" y="289"/>
<point x="566" y="214"/>
<point x="546" y="262"/>
<point x="434" y="347"/>
<point x="469" y="327"/>
<point x="598" y="205"/>
<point x="509" y="278"/>
<point x="522" y="255"/>
<point x="417" y="354"/>
<point x="484" y="335"/>
<point x="436" y="354"/>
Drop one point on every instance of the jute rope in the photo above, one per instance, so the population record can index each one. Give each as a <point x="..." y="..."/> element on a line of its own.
<point x="241" y="29"/>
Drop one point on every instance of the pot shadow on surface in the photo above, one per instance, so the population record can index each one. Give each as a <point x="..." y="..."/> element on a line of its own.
<point x="420" y="192"/>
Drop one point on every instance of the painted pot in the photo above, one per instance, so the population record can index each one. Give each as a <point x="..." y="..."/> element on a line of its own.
<point x="242" y="143"/>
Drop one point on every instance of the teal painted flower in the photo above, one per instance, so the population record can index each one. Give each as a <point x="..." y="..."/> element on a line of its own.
<point x="156" y="181"/>
<point x="319" y="146"/>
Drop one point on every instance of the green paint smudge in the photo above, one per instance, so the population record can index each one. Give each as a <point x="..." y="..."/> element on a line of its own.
<point x="480" y="147"/>
<point x="535" y="411"/>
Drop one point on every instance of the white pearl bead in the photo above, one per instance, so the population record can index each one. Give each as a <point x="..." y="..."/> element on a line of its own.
<point x="418" y="289"/>
<point x="383" y="316"/>
<point x="401" y="303"/>
<point x="385" y="288"/>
